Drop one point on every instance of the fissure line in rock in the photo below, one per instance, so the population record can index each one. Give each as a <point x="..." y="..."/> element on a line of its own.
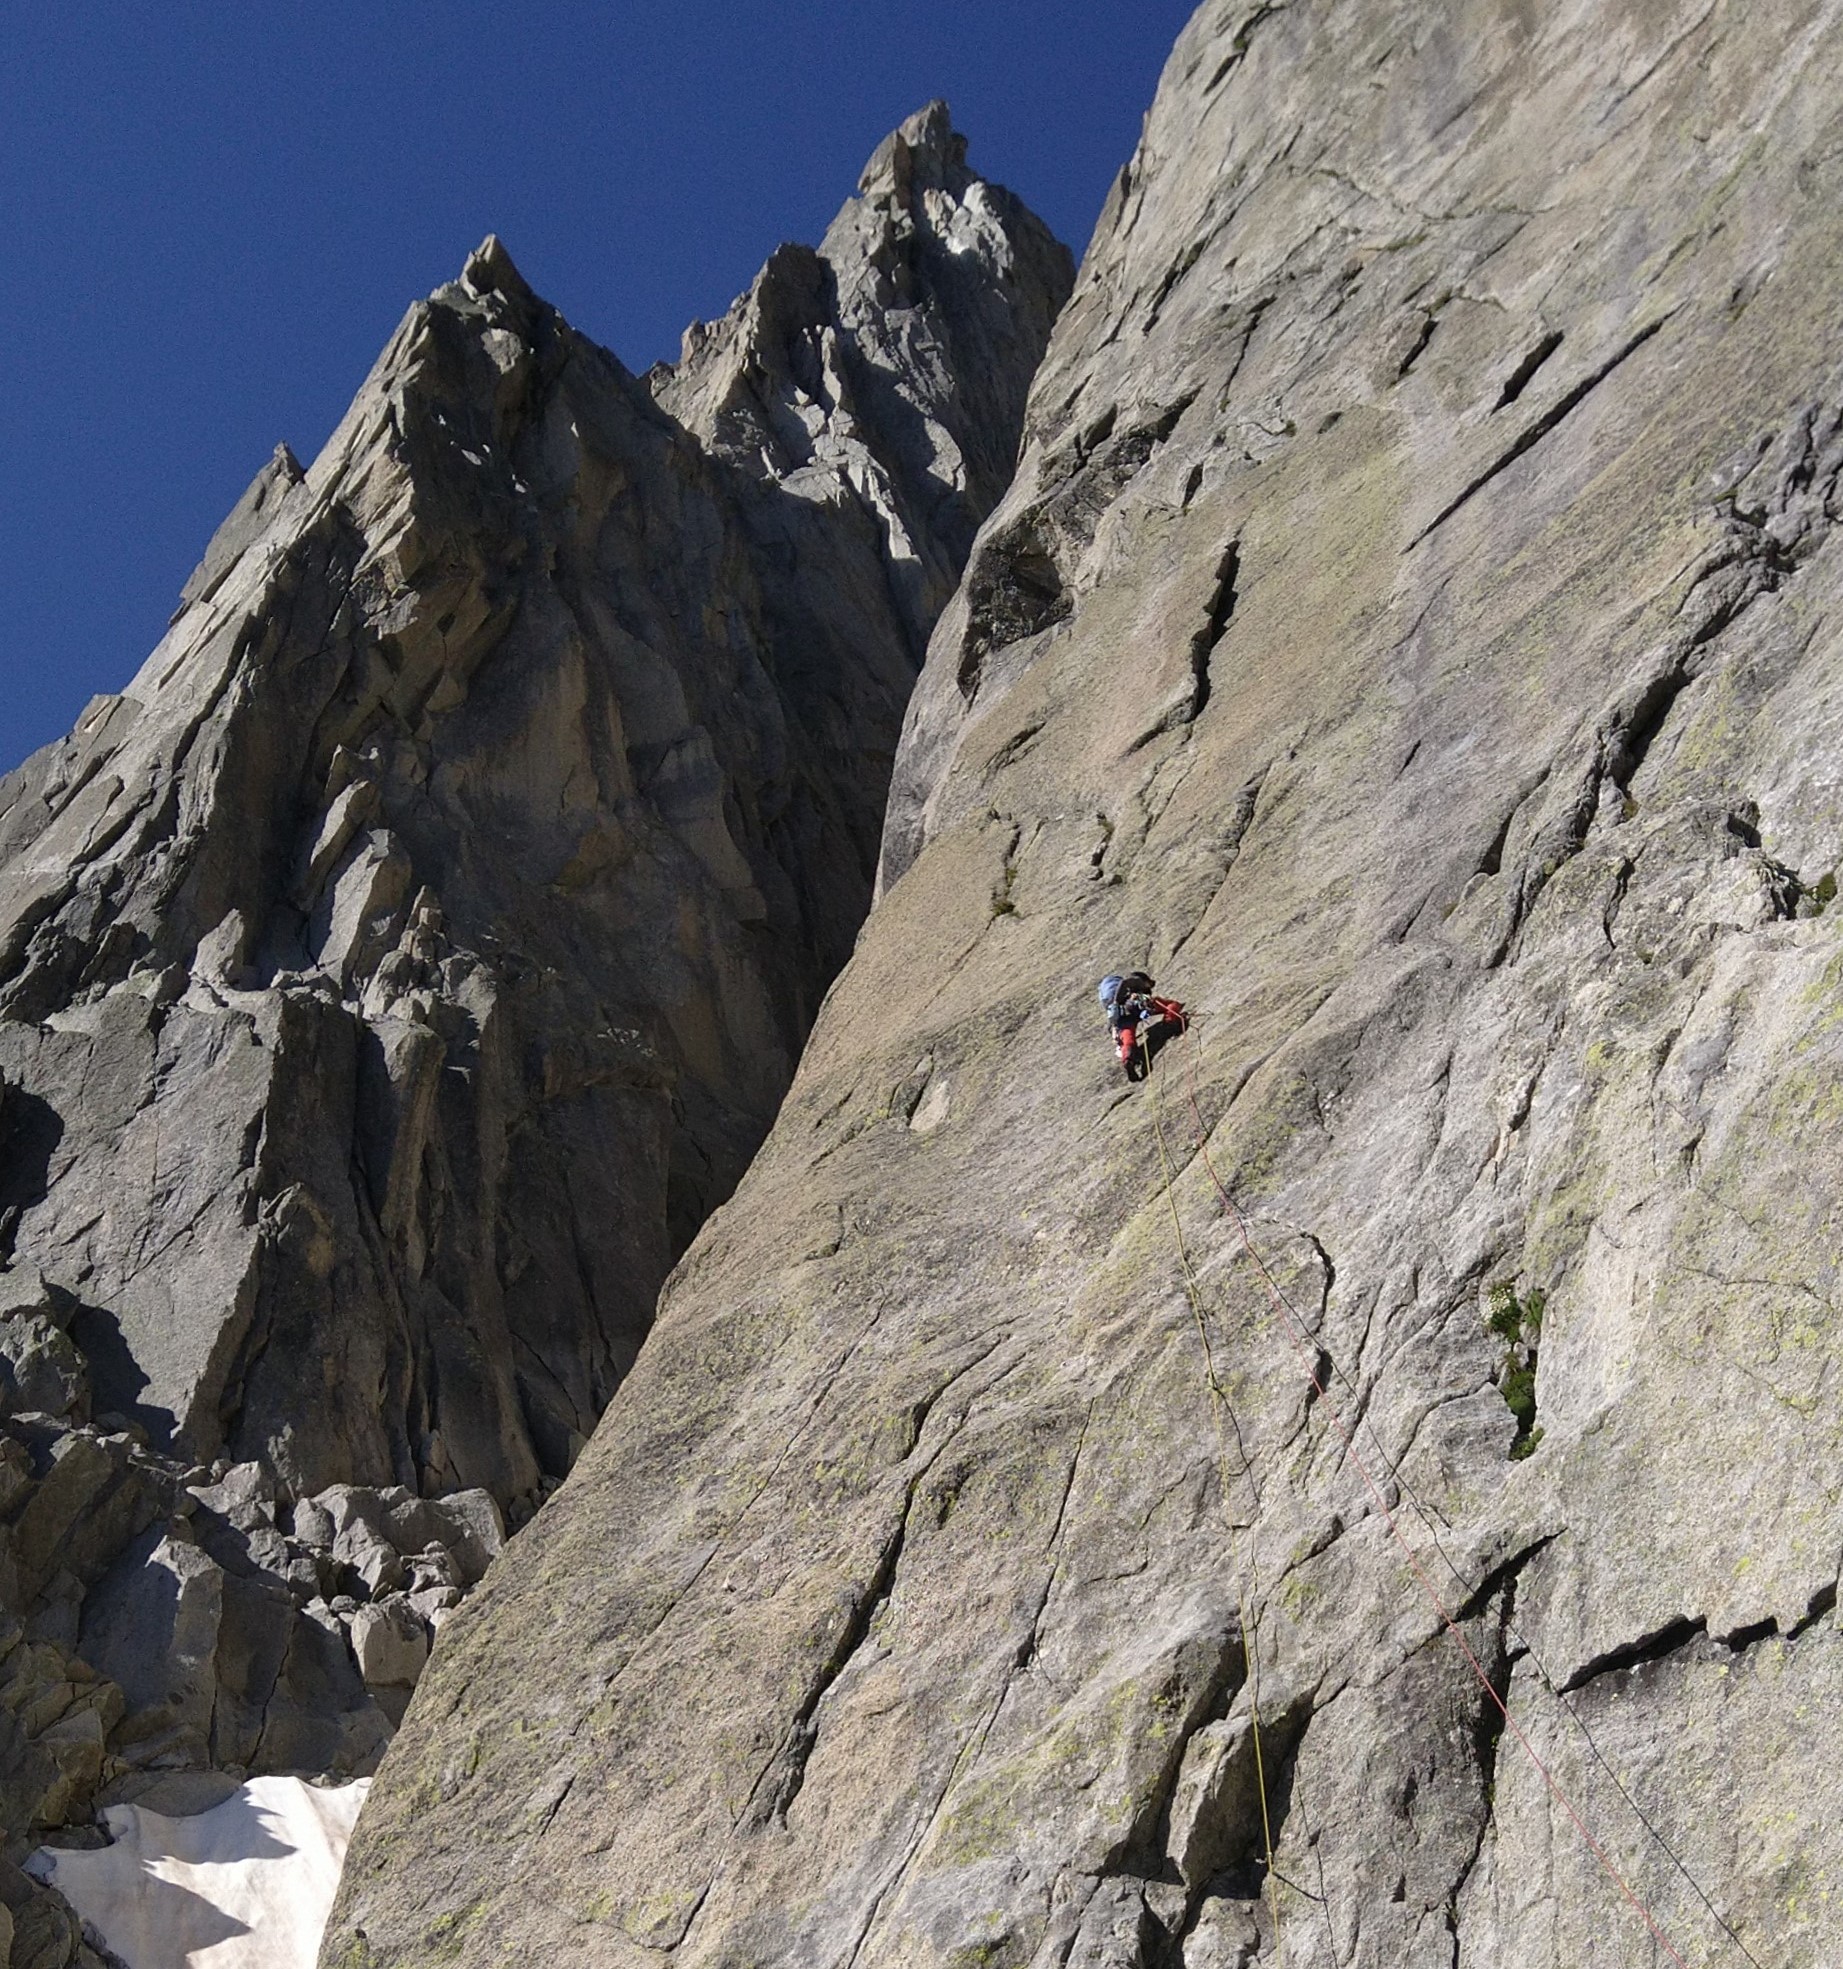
<point x="1476" y="1594"/>
<point x="1309" y="1359"/>
<point x="1224" y="1412"/>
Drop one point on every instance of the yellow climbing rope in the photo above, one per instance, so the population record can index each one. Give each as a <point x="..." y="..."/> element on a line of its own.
<point x="1297" y="1339"/>
<point x="1224" y="1412"/>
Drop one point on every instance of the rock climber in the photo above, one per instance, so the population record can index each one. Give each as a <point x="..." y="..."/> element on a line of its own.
<point x="1140" y="1021"/>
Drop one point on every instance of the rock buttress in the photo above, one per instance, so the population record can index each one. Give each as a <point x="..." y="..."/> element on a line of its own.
<point x="1414" y="635"/>
<point x="394" y="976"/>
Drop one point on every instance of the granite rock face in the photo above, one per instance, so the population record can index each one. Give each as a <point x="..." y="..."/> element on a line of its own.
<point x="1414" y="635"/>
<point x="394" y="976"/>
<point x="887" y="369"/>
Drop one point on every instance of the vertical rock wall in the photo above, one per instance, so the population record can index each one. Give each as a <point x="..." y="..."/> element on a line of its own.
<point x="1414" y="634"/>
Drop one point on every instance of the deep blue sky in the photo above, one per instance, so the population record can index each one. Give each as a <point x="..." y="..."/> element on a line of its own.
<point x="213" y="215"/>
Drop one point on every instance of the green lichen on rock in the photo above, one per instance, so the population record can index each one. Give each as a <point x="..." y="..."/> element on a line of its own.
<point x="1517" y="1324"/>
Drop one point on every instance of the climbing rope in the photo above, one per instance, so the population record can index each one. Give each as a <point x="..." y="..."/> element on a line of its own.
<point x="1467" y="1589"/>
<point x="1296" y="1338"/>
<point x="1222" y="1408"/>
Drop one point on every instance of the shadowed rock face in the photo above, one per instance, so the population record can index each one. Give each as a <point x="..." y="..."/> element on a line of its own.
<point x="399" y="971"/>
<point x="1415" y="636"/>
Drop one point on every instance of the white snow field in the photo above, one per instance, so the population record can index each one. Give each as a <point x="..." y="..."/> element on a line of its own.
<point x="246" y="1885"/>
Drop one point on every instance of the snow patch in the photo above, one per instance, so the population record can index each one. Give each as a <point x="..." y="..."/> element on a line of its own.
<point x="246" y="1885"/>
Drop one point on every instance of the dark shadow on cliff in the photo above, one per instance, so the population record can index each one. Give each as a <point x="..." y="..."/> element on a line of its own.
<point x="116" y="1379"/>
<point x="30" y="1131"/>
<point x="1157" y="1039"/>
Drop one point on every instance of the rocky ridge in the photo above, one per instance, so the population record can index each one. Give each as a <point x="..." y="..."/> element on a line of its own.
<point x="1414" y="634"/>
<point x="394" y="976"/>
<point x="866" y="363"/>
<point x="398" y="971"/>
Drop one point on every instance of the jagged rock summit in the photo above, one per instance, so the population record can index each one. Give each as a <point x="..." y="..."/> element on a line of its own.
<point x="1414" y="635"/>
<point x="394" y="976"/>
<point x="867" y="363"/>
<point x="398" y="971"/>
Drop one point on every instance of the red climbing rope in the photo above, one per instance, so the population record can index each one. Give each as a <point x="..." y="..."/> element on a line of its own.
<point x="1297" y="1339"/>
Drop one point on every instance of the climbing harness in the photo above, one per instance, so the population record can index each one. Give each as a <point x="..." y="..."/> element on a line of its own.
<point x="1224" y="1409"/>
<point x="1296" y="1338"/>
